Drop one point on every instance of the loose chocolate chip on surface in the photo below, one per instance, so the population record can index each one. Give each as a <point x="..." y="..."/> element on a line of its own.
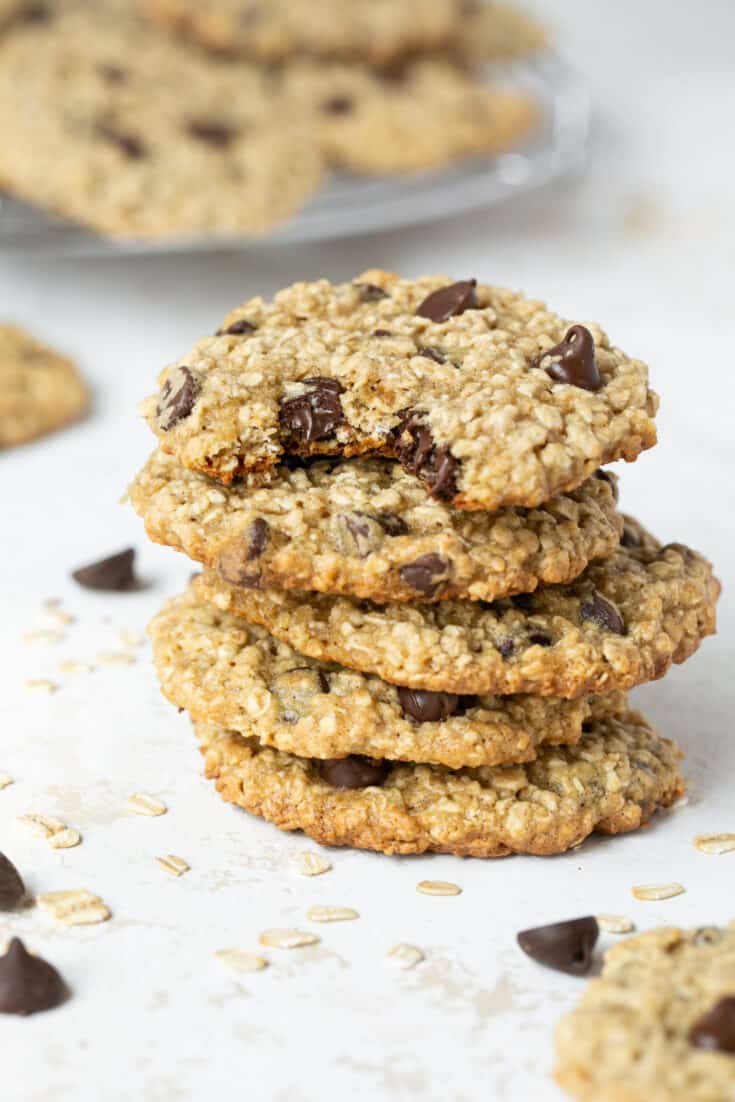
<point x="240" y="328"/>
<point x="565" y="946"/>
<point x="605" y="476"/>
<point x="370" y="293"/>
<point x="12" y="888"/>
<point x="128" y="144"/>
<point x="114" y="574"/>
<point x="353" y="772"/>
<point x="426" y="573"/>
<point x="391" y="524"/>
<point x="432" y="354"/>
<point x="427" y="707"/>
<point x="28" y="983"/>
<point x="212" y="132"/>
<point x="450" y="301"/>
<point x="178" y="397"/>
<point x="715" y="1030"/>
<point x="576" y="364"/>
<point x="416" y="451"/>
<point x="314" y="415"/>
<point x="602" y="612"/>
<point x="338" y="105"/>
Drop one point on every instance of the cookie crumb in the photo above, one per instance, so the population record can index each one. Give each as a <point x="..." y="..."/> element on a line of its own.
<point x="141" y="804"/>
<point x="115" y="658"/>
<point x="240" y="961"/>
<point x="438" y="887"/>
<point x="45" y="636"/>
<point x="312" y="864"/>
<point x="715" y="843"/>
<point x="41" y="826"/>
<point x="74" y="908"/>
<point x="615" y="924"/>
<point x="404" y="956"/>
<point x="52" y="614"/>
<point x="5" y="781"/>
<point x="287" y="939"/>
<point x="657" y="891"/>
<point x="41" y="685"/>
<point x="331" y="914"/>
<point x="72" y="666"/>
<point x="177" y="866"/>
<point x="65" y="839"/>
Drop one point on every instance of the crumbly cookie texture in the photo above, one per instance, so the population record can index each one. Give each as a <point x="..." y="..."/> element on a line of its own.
<point x="421" y="114"/>
<point x="612" y="782"/>
<point x="112" y="125"/>
<point x="498" y="32"/>
<point x="462" y="383"/>
<point x="365" y="528"/>
<point x="639" y="1033"/>
<point x="40" y="390"/>
<point x="222" y="670"/>
<point x="372" y="30"/>
<point x="622" y="622"/>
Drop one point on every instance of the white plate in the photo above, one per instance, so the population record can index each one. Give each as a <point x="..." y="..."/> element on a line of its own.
<point x="355" y="205"/>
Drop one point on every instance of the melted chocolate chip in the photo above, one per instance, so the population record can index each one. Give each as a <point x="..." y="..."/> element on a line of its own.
<point x="630" y="537"/>
<point x="416" y="451"/>
<point x="235" y="561"/>
<point x="426" y="573"/>
<point x="36" y="13"/>
<point x="239" y="328"/>
<point x="432" y="354"/>
<point x="391" y="524"/>
<point x="602" y="612"/>
<point x="605" y="476"/>
<point x="314" y="415"/>
<point x="370" y="293"/>
<point x="382" y="333"/>
<point x="359" y="532"/>
<point x="12" y="888"/>
<point x="178" y="397"/>
<point x="353" y="772"/>
<point x="27" y="983"/>
<point x="427" y="707"/>
<point x="212" y="132"/>
<point x="338" y="105"/>
<point x="450" y="301"/>
<point x="114" y="574"/>
<point x="576" y="362"/>
<point x="256" y="537"/>
<point x="113" y="74"/>
<point x="565" y="946"/>
<point x="715" y="1030"/>
<point x="129" y="144"/>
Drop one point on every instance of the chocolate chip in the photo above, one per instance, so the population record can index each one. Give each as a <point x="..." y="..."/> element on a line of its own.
<point x="178" y="397"/>
<point x="113" y="74"/>
<point x="576" y="364"/>
<point x="427" y="707"/>
<point x="391" y="524"/>
<point x="715" y="1030"/>
<point x="382" y="333"/>
<point x="27" y="983"/>
<point x="522" y="601"/>
<point x="449" y="301"/>
<point x="114" y="574"/>
<point x="602" y="612"/>
<point x="314" y="415"/>
<point x="370" y="293"/>
<point x="605" y="476"/>
<point x="630" y="537"/>
<point x="505" y="647"/>
<point x="338" y="105"/>
<point x="241" y="327"/>
<point x="127" y="143"/>
<point x="353" y="772"/>
<point x="359" y="533"/>
<point x="415" y="450"/>
<point x="565" y="946"/>
<point x="12" y="888"/>
<point x="426" y="573"/>
<point x="432" y="354"/>
<point x="235" y="561"/>
<point x="256" y="537"/>
<point x="539" y="639"/>
<point x="212" y="132"/>
<point x="36" y="13"/>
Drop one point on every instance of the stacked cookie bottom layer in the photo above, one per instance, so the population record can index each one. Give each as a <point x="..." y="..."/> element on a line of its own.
<point x="472" y="727"/>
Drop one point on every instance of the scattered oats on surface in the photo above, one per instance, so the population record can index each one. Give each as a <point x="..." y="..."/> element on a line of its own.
<point x="404" y="956"/>
<point x="240" y="961"/>
<point x="177" y="866"/>
<point x="287" y="939"/>
<point x="657" y="891"/>
<point x="71" y="665"/>
<point x="115" y="658"/>
<point x="41" y="826"/>
<point x="715" y="843"/>
<point x="43" y="636"/>
<point x="74" y="908"/>
<point x="5" y="781"/>
<point x="141" y="804"/>
<point x="41" y="685"/>
<point x="331" y="914"/>
<point x="52" y="614"/>
<point x="615" y="924"/>
<point x="312" y="864"/>
<point x="131" y="638"/>
<point x="438" y="887"/>
<point x="65" y="839"/>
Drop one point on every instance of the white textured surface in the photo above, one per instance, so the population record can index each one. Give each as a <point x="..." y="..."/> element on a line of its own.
<point x="645" y="244"/>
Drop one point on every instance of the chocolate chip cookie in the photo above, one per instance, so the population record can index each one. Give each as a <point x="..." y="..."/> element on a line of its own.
<point x="623" y="621"/>
<point x="483" y="395"/>
<point x="612" y="782"/>
<point x="420" y="114"/>
<point x="225" y="671"/>
<point x="659" y="1026"/>
<point x="110" y="124"/>
<point x="271" y="30"/>
<point x="40" y="390"/>
<point x="366" y="528"/>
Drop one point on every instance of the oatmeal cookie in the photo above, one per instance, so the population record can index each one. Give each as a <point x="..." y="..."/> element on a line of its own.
<point x="40" y="390"/>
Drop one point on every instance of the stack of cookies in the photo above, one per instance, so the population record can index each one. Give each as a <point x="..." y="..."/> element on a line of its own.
<point x="421" y="609"/>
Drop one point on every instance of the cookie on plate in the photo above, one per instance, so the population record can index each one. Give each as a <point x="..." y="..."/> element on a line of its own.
<point x="485" y="396"/>
<point x="659" y="1026"/>
<point x="366" y="528"/>
<point x="613" y="781"/>
<point x="498" y="32"/>
<point x="222" y="670"/>
<point x="40" y="390"/>
<point x="369" y="30"/>
<point x="421" y="114"/>
<point x="112" y="125"/>
<point x="623" y="621"/>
